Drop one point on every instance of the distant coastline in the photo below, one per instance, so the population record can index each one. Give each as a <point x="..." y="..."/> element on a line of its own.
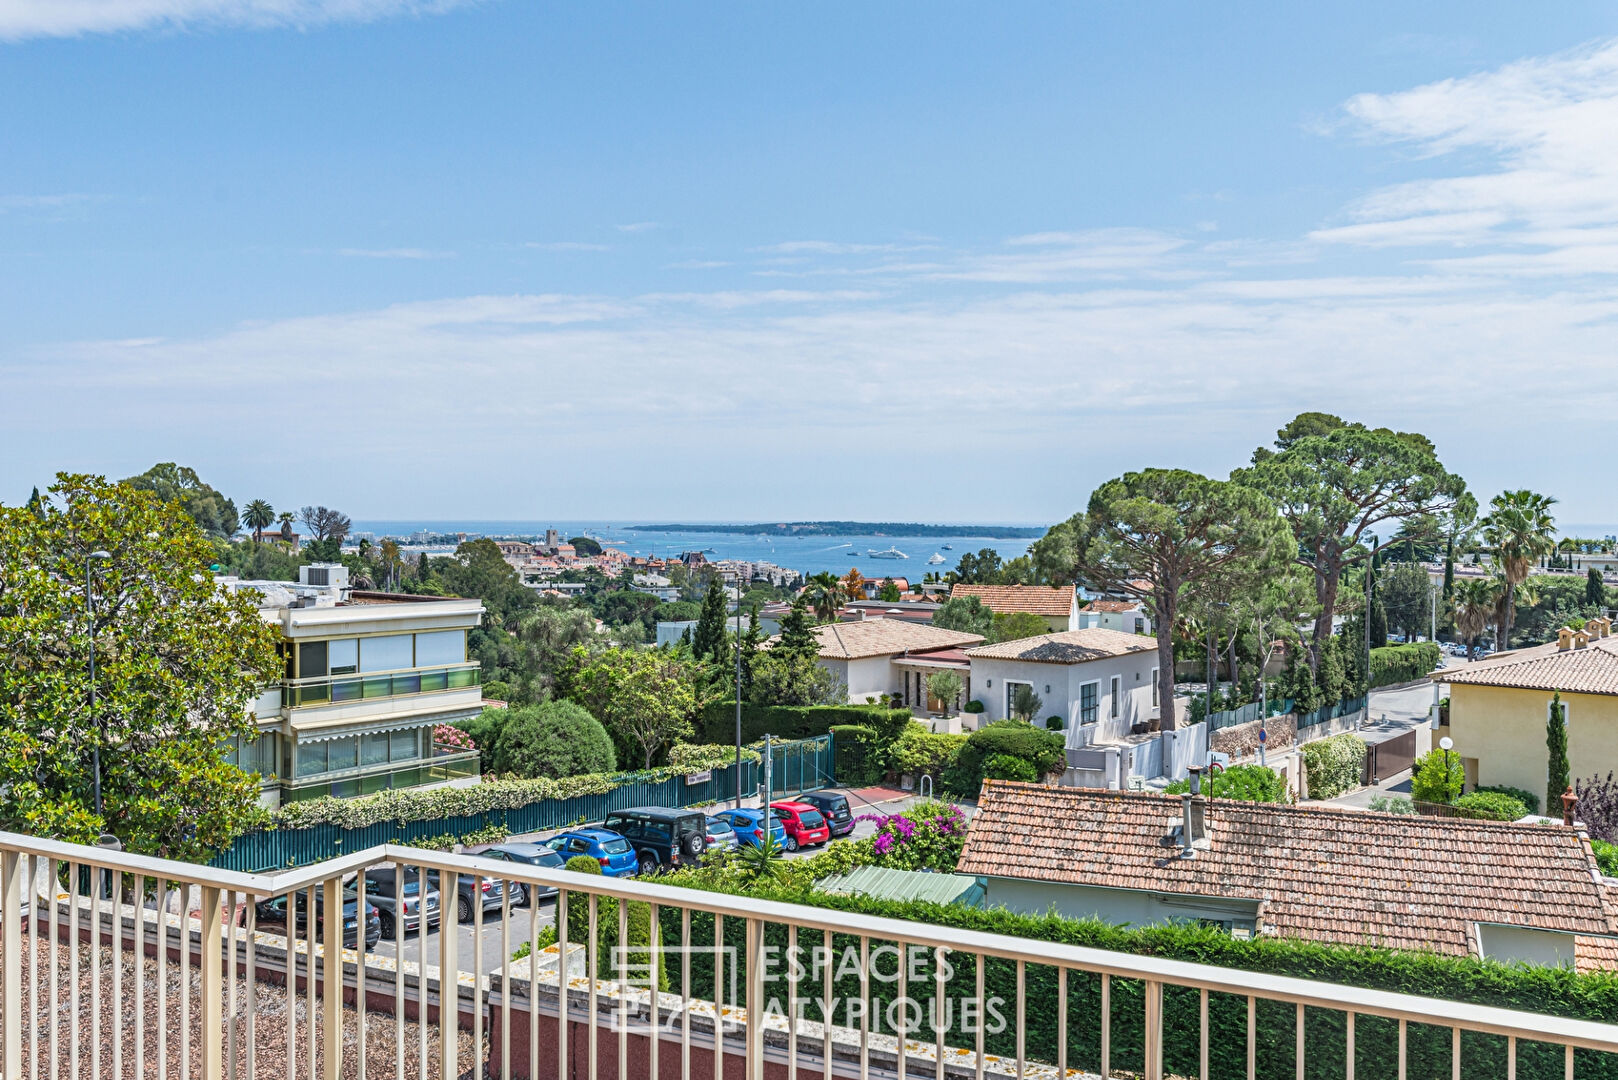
<point x="855" y="528"/>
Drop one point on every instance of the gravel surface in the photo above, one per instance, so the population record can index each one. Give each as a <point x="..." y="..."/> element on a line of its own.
<point x="270" y="1022"/>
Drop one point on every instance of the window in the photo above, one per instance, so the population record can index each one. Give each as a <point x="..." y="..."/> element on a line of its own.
<point x="343" y="656"/>
<point x="311" y="758"/>
<point x="440" y="647"/>
<point x="1140" y="624"/>
<point x="311" y="659"/>
<point x="1011" y="695"/>
<point x="1089" y="702"/>
<point x="1117" y="696"/>
<point x="375" y="749"/>
<point x="389" y="653"/>
<point x="404" y="745"/>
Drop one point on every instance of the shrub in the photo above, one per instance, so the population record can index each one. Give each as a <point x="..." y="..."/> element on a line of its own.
<point x="973" y="706"/>
<point x="1606" y="857"/>
<point x="1527" y="798"/>
<point x="1006" y="767"/>
<point x="1043" y="750"/>
<point x="555" y="739"/>
<point x="496" y="690"/>
<point x="1597" y="807"/>
<point x="1250" y="783"/>
<point x="484" y="731"/>
<point x="1438" y="777"/>
<point x="928" y="836"/>
<point x="857" y="753"/>
<point x="717" y="721"/>
<point x="1491" y="806"/>
<point x="639" y="922"/>
<point x="921" y="751"/>
<point x="1053" y="723"/>
<point x="450" y="736"/>
<point x="1334" y="765"/>
<point x="1398" y="804"/>
<point x="1404" y="663"/>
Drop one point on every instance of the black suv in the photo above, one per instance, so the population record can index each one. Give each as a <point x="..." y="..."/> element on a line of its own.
<point x="834" y="808"/>
<point x="662" y="837"/>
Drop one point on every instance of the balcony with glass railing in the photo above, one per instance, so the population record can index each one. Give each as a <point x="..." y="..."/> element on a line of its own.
<point x="369" y="686"/>
<point x="115" y="964"/>
<point x="447" y="763"/>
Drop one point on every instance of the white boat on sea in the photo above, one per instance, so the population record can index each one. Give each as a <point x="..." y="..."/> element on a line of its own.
<point x="934" y="559"/>
<point x="891" y="553"/>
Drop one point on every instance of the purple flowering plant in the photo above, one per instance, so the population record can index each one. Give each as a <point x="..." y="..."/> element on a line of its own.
<point x="928" y="836"/>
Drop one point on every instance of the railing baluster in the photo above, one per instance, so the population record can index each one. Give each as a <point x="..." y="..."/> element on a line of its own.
<point x="137" y="903"/>
<point x="477" y="959"/>
<point x="118" y="976"/>
<point x="362" y="908"/>
<point x="792" y="1002"/>
<point x="754" y="992"/>
<point x="160" y="898"/>
<point x="1511" y="1057"/>
<point x="865" y="1008"/>
<point x="11" y="917"/>
<point x="1252" y="1037"/>
<point x="563" y="1034"/>
<point x="1455" y="1053"/>
<point x="1022" y="1017"/>
<point x="978" y="1067"/>
<point x="34" y="1012"/>
<point x="292" y="984"/>
<point x="73" y="946"/>
<point x="685" y="993"/>
<point x="311" y="976"/>
<point x="1106" y="1022"/>
<point x="399" y="959"/>
<point x="901" y="1030"/>
<point x="718" y="997"/>
<point x="1298" y="1037"/>
<point x="183" y="891"/>
<point x="1403" y="1046"/>
<point x="1061" y="1027"/>
<point x="251" y="981"/>
<point x="1567" y="1063"/>
<point x="212" y="989"/>
<point x="620" y="976"/>
<point x="1202" y="1034"/>
<point x="1153" y="1066"/>
<point x="505" y="969"/>
<point x="592" y="959"/>
<point x="445" y="912"/>
<point x="1348" y="1065"/>
<point x="95" y="972"/>
<point x="826" y="1007"/>
<point x="449" y="983"/>
<point x="654" y="932"/>
<point x="231" y="1020"/>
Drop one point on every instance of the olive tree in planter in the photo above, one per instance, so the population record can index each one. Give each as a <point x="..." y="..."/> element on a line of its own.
<point x="945" y="687"/>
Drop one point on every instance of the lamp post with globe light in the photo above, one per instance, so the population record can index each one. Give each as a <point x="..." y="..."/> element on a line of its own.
<point x="1447" y="744"/>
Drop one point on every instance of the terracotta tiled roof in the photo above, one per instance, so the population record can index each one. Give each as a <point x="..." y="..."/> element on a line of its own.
<point x="1333" y="875"/>
<point x="885" y="637"/>
<point x="1067" y="647"/>
<point x="1038" y="599"/>
<point x="1113" y="605"/>
<point x="1590" y="670"/>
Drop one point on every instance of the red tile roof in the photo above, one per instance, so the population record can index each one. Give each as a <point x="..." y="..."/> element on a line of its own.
<point x="1592" y="669"/>
<point x="1325" y="874"/>
<point x="1037" y="599"/>
<point x="1067" y="647"/>
<point x="1113" y="605"/>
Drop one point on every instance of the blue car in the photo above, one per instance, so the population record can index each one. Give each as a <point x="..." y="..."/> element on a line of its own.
<point x="613" y="852"/>
<point x="749" y="826"/>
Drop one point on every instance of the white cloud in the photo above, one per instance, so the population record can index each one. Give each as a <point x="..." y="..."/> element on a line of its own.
<point x="637" y="227"/>
<point x="22" y="19"/>
<point x="1546" y="130"/>
<point x="393" y="253"/>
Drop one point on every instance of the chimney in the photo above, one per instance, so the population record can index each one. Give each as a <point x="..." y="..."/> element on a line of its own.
<point x="1569" y="802"/>
<point x="1564" y="639"/>
<point x="1581" y="639"/>
<point x="1187" y="851"/>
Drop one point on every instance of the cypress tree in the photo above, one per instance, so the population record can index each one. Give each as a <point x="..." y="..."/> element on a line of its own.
<point x="36" y="505"/>
<point x="1449" y="568"/>
<point x="1379" y="625"/>
<point x="1595" y="591"/>
<point x="1556" y="774"/>
<point x="797" y="639"/>
<point x="422" y="570"/>
<point x="708" y="639"/>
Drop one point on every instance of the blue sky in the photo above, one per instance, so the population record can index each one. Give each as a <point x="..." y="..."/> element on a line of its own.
<point x="528" y="260"/>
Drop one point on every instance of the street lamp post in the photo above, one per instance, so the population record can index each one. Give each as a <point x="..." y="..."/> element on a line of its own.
<point x="738" y="705"/>
<point x="1446" y="744"/>
<point x="90" y="610"/>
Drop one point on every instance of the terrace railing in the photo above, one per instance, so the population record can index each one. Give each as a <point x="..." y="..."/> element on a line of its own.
<point x="331" y="689"/>
<point x="116" y="964"/>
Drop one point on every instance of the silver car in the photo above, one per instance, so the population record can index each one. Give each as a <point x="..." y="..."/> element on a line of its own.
<point x="379" y="890"/>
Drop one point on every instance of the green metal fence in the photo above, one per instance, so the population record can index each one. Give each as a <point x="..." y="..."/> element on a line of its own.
<point x="798" y="766"/>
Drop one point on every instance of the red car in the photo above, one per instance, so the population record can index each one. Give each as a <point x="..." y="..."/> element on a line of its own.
<point x="805" y="826"/>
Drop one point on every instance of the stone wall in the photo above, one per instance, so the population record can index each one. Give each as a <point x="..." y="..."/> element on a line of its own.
<point x="1241" y="741"/>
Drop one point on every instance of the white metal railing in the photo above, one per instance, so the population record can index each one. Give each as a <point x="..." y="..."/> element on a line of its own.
<point x="100" y="970"/>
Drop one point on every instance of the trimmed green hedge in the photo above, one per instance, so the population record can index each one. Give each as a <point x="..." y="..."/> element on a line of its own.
<point x="1043" y="751"/>
<point x="1334" y="765"/>
<point x="1547" y="990"/>
<point x="918" y="750"/>
<point x="859" y="755"/>
<point x="1404" y="663"/>
<point x="717" y="723"/>
<point x="1491" y="806"/>
<point x="1527" y="798"/>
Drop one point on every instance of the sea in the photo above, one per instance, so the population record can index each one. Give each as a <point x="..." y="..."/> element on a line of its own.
<point x="805" y="554"/>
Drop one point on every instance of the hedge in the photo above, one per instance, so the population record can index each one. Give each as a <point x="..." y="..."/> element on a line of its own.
<point x="858" y="755"/>
<point x="1527" y="798"/>
<point x="1606" y="857"/>
<point x="1042" y="750"/>
<point x="918" y="750"/>
<point x="717" y="722"/>
<point x="1249" y="783"/>
<point x="1547" y="990"/>
<point x="1404" y="663"/>
<point x="1491" y="806"/>
<point x="494" y="793"/>
<point x="1334" y="765"/>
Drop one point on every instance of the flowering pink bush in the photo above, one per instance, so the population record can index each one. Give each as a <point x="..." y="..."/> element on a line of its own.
<point x="927" y="837"/>
<point x="452" y="737"/>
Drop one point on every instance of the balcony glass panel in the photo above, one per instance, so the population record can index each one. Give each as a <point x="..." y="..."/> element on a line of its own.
<point x="345" y="689"/>
<point x="408" y="683"/>
<point x="460" y="678"/>
<point x="434" y="680"/>
<point x="378" y="686"/>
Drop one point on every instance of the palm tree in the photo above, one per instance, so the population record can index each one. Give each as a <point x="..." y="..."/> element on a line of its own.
<point x="1473" y="608"/>
<point x="258" y="516"/>
<point x="286" y="518"/>
<point x="1521" y="531"/>
<point x="825" y="595"/>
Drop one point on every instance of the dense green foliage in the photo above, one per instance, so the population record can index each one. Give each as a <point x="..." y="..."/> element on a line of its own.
<point x="1043" y="751"/>
<point x="554" y="739"/>
<point x="637" y="921"/>
<point x="1438" y="777"/>
<point x="645" y="699"/>
<point x="1527" y="798"/>
<point x="1250" y="783"/>
<point x="209" y="510"/>
<point x="966" y="615"/>
<point x="1404" y="663"/>
<point x="918" y="750"/>
<point x="178" y="665"/>
<point x="1556" y="766"/>
<point x="1015" y="625"/>
<point x="1006" y="767"/>
<point x="1334" y="765"/>
<point x="860" y="754"/>
<point x="1490" y="806"/>
<point x="1606" y="856"/>
<point x="717" y="722"/>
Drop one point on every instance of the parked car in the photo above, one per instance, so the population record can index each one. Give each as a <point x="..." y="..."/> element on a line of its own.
<point x="490" y="888"/>
<point x="804" y="825"/>
<point x="749" y="826"/>
<point x="532" y="855"/>
<point x="662" y="837"/>
<point x="834" y="808"/>
<point x="721" y="834"/>
<point x="613" y="852"/>
<point x="273" y="912"/>
<point x="380" y="884"/>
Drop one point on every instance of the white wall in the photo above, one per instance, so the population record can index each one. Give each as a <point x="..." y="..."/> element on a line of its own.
<point x="871" y="676"/>
<point x="1063" y="699"/>
<point x="1123" y="621"/>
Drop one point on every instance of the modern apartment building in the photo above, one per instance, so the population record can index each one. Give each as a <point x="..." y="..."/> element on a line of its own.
<point x="367" y="677"/>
